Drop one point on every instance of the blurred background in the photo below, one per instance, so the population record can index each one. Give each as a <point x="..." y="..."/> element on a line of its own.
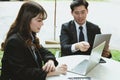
<point x="104" y="13"/>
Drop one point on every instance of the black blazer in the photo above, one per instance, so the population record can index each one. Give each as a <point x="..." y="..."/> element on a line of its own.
<point x="18" y="62"/>
<point x="68" y="37"/>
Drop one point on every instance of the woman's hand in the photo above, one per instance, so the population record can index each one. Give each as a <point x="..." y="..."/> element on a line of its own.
<point x="62" y="69"/>
<point x="49" y="66"/>
<point x="59" y="70"/>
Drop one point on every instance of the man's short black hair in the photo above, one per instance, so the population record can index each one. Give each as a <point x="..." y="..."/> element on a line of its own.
<point x="76" y="3"/>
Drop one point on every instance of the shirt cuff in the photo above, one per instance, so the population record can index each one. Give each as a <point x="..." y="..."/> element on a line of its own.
<point x="73" y="48"/>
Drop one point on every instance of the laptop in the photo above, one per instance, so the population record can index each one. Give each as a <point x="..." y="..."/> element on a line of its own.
<point x="86" y="65"/>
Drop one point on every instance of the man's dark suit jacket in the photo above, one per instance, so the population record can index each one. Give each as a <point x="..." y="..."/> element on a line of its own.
<point x="68" y="37"/>
<point x="18" y="62"/>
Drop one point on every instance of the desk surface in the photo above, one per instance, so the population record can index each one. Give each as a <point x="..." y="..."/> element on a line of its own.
<point x="103" y="71"/>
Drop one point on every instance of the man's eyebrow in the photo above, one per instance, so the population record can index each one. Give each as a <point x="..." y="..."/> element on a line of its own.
<point x="79" y="11"/>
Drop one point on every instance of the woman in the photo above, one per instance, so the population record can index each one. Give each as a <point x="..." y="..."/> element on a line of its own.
<point x="23" y="56"/>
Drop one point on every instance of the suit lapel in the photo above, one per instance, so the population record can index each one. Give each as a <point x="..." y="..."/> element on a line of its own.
<point x="90" y="34"/>
<point x="73" y="30"/>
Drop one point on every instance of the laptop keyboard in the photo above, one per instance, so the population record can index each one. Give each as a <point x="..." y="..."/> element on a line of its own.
<point x="81" y="67"/>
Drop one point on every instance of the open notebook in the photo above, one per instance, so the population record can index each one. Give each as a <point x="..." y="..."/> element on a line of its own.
<point x="86" y="65"/>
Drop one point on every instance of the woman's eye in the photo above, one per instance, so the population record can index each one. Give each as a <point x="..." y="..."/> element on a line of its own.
<point x="39" y="20"/>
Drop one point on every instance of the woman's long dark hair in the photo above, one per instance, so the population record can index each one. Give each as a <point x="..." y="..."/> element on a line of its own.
<point x="21" y="25"/>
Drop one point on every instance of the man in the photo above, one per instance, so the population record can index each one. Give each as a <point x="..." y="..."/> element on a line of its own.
<point x="71" y="35"/>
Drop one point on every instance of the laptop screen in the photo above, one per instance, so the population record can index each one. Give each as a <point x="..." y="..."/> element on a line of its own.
<point x="99" y="38"/>
<point x="95" y="56"/>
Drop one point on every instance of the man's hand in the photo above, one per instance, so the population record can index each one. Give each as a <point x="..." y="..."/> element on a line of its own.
<point x="82" y="46"/>
<point x="106" y="53"/>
